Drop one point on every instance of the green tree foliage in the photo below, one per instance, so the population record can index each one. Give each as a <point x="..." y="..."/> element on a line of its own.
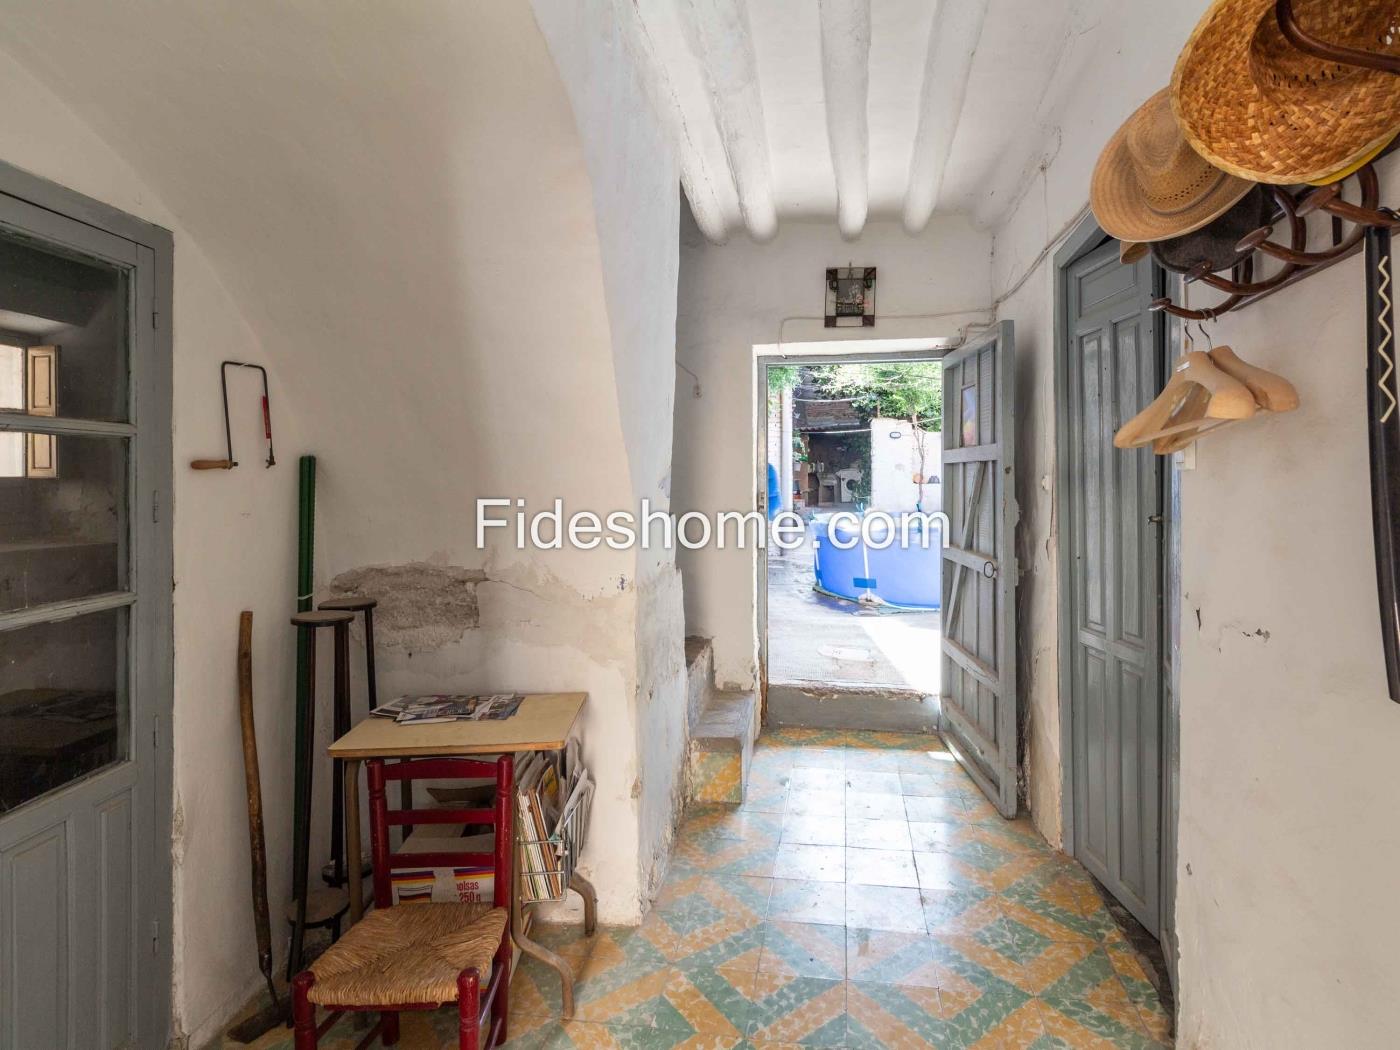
<point x="911" y="391"/>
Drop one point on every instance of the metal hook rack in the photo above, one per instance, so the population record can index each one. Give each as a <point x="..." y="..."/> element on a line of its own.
<point x="1304" y="41"/>
<point x="1298" y="259"/>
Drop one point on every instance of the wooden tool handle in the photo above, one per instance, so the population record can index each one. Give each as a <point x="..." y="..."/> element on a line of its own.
<point x="252" y="775"/>
<point x="211" y="464"/>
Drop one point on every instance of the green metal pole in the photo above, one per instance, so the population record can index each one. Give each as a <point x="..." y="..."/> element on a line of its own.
<point x="301" y="828"/>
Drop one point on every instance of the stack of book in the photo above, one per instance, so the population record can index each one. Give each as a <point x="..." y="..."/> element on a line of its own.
<point x="554" y="795"/>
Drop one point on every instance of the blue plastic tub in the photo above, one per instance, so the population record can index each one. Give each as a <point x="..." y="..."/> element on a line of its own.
<point x="904" y="577"/>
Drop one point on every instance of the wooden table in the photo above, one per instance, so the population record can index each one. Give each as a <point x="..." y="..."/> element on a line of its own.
<point x="543" y="723"/>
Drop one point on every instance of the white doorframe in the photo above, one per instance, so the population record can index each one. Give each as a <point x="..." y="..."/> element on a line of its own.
<point x="880" y="351"/>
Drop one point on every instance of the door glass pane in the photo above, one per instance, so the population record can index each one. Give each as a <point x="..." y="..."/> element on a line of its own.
<point x="67" y="316"/>
<point x="63" y="703"/>
<point x="63" y="520"/>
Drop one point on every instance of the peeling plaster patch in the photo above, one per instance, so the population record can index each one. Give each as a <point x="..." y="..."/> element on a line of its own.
<point x="177" y="836"/>
<point x="422" y="606"/>
<point x="530" y="599"/>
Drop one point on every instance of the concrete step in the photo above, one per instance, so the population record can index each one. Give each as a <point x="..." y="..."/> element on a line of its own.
<point x="699" y="677"/>
<point x="721" y="748"/>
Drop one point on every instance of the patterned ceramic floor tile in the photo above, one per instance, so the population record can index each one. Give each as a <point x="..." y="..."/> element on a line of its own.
<point x="585" y="1035"/>
<point x="813" y="829"/>
<point x="725" y="857"/>
<point x="1076" y="1024"/>
<point x="874" y="805"/>
<point x="941" y="870"/>
<point x="928" y="836"/>
<point x="814" y="863"/>
<point x="707" y="1000"/>
<point x="929" y="785"/>
<point x="714" y="920"/>
<point x="887" y="957"/>
<point x="1007" y="945"/>
<point x="873" y="782"/>
<point x="926" y="808"/>
<point x="1091" y="996"/>
<point x="806" y="1011"/>
<point x="817" y="778"/>
<point x="802" y="900"/>
<point x="878" y="834"/>
<point x="729" y="822"/>
<point x="1151" y="1012"/>
<point x="621" y="980"/>
<point x="766" y="796"/>
<point x="1058" y="895"/>
<point x="825" y="803"/>
<point x="906" y="1016"/>
<point x="880" y="867"/>
<point x="534" y="987"/>
<point x="804" y="949"/>
<point x="875" y="761"/>
<point x="897" y="908"/>
<point x="894" y="741"/>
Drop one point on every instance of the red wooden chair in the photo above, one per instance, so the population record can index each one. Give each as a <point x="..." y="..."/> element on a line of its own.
<point x="420" y="956"/>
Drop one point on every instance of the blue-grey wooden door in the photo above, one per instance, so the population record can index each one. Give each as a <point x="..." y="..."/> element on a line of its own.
<point x="978" y="711"/>
<point x="1114" y="528"/>
<point x="85" y="650"/>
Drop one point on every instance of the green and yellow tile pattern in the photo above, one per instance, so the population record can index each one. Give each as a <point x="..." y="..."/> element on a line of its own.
<point x="862" y="896"/>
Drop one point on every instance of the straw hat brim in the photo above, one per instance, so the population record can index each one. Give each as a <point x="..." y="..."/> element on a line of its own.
<point x="1122" y="212"/>
<point x="1232" y="122"/>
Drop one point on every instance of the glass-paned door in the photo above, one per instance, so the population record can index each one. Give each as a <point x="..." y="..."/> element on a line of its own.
<point x="84" y="636"/>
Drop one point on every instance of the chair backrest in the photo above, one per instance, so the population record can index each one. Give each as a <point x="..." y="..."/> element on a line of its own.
<point x="499" y="816"/>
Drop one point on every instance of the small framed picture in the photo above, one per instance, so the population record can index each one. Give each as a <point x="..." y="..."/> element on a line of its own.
<point x="850" y="297"/>
<point x="969" y="416"/>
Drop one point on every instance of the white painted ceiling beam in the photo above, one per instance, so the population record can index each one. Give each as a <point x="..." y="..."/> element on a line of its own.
<point x="718" y="33"/>
<point x="674" y="84"/>
<point x="957" y="28"/>
<point x="845" y="34"/>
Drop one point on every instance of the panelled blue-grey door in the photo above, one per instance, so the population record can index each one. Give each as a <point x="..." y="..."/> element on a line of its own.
<point x="1114" y="605"/>
<point x="85" y="616"/>
<point x="979" y="563"/>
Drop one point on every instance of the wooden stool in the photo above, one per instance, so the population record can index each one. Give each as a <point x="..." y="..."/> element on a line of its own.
<point x="312" y="623"/>
<point x="323" y="908"/>
<point x="335" y="873"/>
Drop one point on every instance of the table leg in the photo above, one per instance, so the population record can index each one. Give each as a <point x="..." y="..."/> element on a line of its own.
<point x="539" y="951"/>
<point x="355" y="872"/>
<point x="550" y="959"/>
<point x="585" y="889"/>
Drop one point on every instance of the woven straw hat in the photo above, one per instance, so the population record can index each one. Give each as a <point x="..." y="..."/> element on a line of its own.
<point x="1149" y="184"/>
<point x="1253" y="104"/>
<point x="1130" y="252"/>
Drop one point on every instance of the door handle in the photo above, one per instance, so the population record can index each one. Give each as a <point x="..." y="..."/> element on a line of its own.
<point x="1155" y="519"/>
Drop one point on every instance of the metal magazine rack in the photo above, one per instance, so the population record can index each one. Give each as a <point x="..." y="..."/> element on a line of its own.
<point x="547" y="864"/>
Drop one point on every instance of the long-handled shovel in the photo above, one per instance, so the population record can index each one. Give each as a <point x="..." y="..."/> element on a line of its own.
<point x="273" y="1014"/>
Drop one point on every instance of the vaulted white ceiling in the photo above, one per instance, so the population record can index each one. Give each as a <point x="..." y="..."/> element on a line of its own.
<point x="858" y="109"/>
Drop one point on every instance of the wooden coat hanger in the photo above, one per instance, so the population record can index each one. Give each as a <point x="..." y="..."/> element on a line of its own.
<point x="1197" y="391"/>
<point x="1271" y="393"/>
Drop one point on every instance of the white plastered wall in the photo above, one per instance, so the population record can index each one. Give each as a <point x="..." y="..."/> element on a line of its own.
<point x="218" y="517"/>
<point x="444" y="276"/>
<point x="905" y="466"/>
<point x="737" y="296"/>
<point x="1286" y="911"/>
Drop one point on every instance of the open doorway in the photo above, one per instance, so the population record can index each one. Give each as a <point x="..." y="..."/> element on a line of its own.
<point x="850" y="454"/>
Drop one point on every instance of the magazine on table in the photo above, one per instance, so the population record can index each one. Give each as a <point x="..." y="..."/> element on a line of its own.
<point x="450" y="707"/>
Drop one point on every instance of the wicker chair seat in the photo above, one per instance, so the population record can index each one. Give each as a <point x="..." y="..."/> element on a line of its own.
<point x="411" y="953"/>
